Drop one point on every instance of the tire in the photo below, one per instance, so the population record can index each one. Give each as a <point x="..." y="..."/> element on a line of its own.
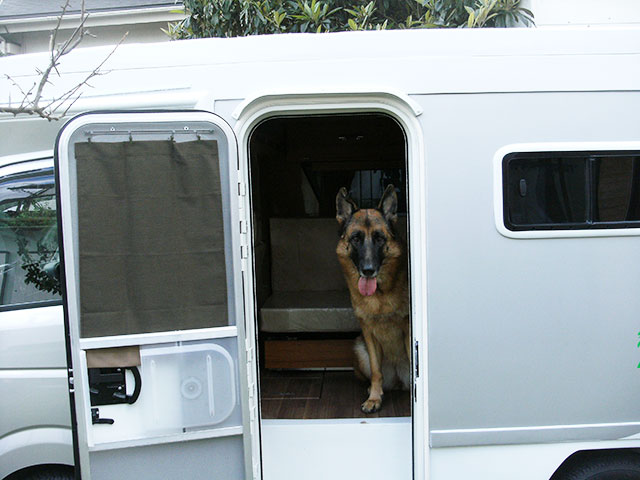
<point x="47" y="473"/>
<point x="602" y="466"/>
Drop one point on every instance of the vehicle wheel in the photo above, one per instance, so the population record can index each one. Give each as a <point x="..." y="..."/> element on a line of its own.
<point x="602" y="466"/>
<point x="48" y="473"/>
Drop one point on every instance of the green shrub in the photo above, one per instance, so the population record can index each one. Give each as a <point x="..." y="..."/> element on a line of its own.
<point x="237" y="18"/>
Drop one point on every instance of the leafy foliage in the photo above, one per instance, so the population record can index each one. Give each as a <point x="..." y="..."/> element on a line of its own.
<point x="35" y="217"/>
<point x="36" y="268"/>
<point x="236" y="18"/>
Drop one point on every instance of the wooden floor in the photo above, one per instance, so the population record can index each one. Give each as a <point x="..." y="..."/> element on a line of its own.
<point x="323" y="394"/>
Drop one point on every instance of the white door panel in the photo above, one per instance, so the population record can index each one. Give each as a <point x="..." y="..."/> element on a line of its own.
<point x="154" y="304"/>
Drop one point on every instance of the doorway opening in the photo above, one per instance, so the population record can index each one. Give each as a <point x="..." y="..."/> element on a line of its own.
<point x="306" y="325"/>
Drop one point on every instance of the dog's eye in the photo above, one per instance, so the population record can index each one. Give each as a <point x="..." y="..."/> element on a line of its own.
<point x="356" y="238"/>
<point x="379" y="238"/>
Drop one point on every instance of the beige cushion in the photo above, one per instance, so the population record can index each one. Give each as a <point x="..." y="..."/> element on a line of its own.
<point x="309" y="291"/>
<point x="303" y="255"/>
<point x="288" y="312"/>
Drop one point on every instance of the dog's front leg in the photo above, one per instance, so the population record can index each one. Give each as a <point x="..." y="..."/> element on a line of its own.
<point x="407" y="345"/>
<point x="374" y="402"/>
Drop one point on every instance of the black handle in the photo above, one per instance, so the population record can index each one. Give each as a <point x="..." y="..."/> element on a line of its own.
<point x="108" y="386"/>
<point x="95" y="418"/>
<point x="138" y="385"/>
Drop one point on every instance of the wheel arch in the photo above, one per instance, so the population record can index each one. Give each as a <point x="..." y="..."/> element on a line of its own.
<point x="585" y="458"/>
<point x="44" y="472"/>
<point x="35" y="447"/>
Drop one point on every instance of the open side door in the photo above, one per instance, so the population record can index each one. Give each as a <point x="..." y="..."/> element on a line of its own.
<point x="154" y="308"/>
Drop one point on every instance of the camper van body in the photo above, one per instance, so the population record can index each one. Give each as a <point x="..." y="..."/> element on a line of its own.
<point x="524" y="339"/>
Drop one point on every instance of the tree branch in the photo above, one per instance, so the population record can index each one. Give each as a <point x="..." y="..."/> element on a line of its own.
<point x="31" y="103"/>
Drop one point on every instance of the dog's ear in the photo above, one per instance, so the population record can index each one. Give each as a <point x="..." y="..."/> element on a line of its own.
<point x="388" y="205"/>
<point x="345" y="207"/>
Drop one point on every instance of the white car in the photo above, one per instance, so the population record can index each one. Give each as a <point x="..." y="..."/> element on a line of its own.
<point x="35" y="427"/>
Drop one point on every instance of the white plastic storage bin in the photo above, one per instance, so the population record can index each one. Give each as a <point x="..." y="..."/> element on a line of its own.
<point x="191" y="386"/>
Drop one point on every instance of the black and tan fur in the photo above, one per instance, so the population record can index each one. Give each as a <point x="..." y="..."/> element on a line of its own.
<point x="369" y="247"/>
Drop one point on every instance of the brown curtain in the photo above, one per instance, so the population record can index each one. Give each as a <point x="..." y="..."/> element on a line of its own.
<point x="151" y="240"/>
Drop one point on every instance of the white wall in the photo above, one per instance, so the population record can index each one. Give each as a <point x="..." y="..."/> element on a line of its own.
<point x="31" y="42"/>
<point x="143" y="26"/>
<point x="584" y="12"/>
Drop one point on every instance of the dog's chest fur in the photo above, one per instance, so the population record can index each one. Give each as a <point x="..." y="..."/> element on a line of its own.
<point x="387" y="317"/>
<point x="389" y="331"/>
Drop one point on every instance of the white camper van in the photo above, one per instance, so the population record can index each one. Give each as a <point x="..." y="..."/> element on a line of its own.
<point x="209" y="329"/>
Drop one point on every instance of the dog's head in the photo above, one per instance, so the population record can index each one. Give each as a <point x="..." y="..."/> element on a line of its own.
<point x="367" y="236"/>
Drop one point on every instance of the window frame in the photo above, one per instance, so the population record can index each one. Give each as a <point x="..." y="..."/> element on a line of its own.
<point x="28" y="162"/>
<point x="568" y="230"/>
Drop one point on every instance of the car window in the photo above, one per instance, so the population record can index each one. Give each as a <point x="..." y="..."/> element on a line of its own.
<point x="29" y="255"/>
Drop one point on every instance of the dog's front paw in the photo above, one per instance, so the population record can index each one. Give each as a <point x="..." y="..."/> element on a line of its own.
<point x="372" y="405"/>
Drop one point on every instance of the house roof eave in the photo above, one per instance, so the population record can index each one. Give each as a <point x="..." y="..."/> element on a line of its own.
<point x="95" y="19"/>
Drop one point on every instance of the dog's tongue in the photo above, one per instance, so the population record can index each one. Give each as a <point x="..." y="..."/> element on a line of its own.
<point x="367" y="286"/>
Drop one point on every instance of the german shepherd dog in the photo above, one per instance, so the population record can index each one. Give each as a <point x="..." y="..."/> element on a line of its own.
<point x="374" y="263"/>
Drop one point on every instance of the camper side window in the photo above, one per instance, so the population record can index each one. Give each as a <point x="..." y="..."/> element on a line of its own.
<point x="571" y="190"/>
<point x="29" y="259"/>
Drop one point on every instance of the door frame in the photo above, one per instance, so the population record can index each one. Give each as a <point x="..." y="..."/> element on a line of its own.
<point x="255" y="109"/>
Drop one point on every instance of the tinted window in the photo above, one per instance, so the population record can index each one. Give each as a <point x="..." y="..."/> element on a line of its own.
<point x="28" y="237"/>
<point x="615" y="189"/>
<point x="550" y="190"/>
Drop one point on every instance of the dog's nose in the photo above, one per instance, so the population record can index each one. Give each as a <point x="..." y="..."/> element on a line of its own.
<point x="368" y="272"/>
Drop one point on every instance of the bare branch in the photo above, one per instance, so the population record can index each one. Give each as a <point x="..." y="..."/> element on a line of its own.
<point x="66" y="47"/>
<point x="70" y="105"/>
<point x="54" y="33"/>
<point x="85" y="82"/>
<point x="76" y="36"/>
<point x="31" y="102"/>
<point x="25" y="95"/>
<point x="17" y="85"/>
<point x="25" y="110"/>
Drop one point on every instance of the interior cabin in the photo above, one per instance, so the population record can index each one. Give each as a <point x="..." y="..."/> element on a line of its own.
<point x="305" y="321"/>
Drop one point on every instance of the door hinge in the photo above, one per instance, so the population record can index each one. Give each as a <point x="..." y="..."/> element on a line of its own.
<point x="251" y="384"/>
<point x="243" y="227"/>
<point x="249" y="348"/>
<point x="253" y="402"/>
<point x="416" y="362"/>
